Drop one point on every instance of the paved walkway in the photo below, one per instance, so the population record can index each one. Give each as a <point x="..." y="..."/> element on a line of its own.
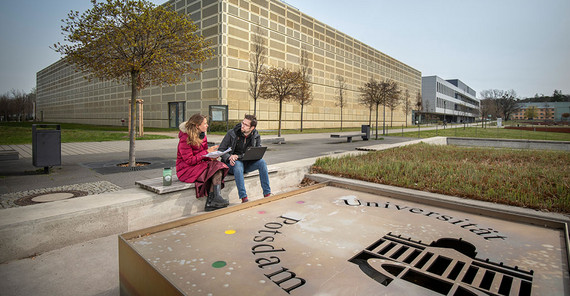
<point x="91" y="268"/>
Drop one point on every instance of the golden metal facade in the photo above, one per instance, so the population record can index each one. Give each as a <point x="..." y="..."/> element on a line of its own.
<point x="229" y="25"/>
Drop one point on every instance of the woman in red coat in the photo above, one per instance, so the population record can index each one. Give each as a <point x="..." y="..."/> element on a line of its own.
<point x="193" y="167"/>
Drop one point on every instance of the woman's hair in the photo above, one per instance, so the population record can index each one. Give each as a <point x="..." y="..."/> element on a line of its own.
<point x="192" y="129"/>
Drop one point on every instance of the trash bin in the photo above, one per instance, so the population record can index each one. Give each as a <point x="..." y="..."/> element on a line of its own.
<point x="46" y="145"/>
<point x="365" y="129"/>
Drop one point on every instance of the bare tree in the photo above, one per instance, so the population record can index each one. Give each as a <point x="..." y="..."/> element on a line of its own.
<point x="388" y="89"/>
<point x="406" y="105"/>
<point x="305" y="93"/>
<point x="393" y="101"/>
<point x="371" y="97"/>
<point x="367" y="94"/>
<point x="418" y="105"/>
<point x="548" y="112"/>
<point x="505" y="101"/>
<point x="488" y="107"/>
<point x="6" y="107"/>
<point x="17" y="105"/>
<point x="256" y="63"/>
<point x="280" y="85"/>
<point x="340" y="99"/>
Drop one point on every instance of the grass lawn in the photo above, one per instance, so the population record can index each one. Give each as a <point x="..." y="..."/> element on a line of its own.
<point x="524" y="178"/>
<point x="490" y="132"/>
<point x="16" y="133"/>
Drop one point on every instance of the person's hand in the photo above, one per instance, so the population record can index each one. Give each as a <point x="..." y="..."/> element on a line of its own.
<point x="233" y="159"/>
<point x="213" y="148"/>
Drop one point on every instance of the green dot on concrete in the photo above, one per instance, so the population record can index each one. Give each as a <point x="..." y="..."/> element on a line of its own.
<point x="219" y="264"/>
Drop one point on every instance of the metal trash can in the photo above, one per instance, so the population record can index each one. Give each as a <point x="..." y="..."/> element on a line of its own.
<point x="46" y="145"/>
<point x="365" y="129"/>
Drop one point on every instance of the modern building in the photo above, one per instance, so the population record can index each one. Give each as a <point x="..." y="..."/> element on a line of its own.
<point x="450" y="101"/>
<point x="64" y="95"/>
<point x="550" y="111"/>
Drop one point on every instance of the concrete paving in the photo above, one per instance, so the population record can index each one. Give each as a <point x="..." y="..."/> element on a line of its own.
<point x="91" y="267"/>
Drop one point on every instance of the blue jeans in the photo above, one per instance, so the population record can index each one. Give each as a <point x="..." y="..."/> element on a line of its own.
<point x="240" y="168"/>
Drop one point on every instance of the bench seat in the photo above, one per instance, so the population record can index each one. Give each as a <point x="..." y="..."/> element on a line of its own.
<point x="155" y="184"/>
<point x="9" y="155"/>
<point x="349" y="137"/>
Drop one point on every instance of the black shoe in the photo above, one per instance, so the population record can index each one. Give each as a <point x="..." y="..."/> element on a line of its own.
<point x="218" y="199"/>
<point x="215" y="200"/>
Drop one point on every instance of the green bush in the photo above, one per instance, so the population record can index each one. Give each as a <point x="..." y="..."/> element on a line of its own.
<point x="221" y="126"/>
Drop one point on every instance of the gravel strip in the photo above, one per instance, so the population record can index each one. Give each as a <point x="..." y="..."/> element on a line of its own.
<point x="8" y="200"/>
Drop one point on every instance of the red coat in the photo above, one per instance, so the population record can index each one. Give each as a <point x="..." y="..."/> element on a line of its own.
<point x="190" y="162"/>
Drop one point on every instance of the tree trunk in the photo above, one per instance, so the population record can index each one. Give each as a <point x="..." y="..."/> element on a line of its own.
<point x="370" y="116"/>
<point x="279" y="130"/>
<point x="341" y="119"/>
<point x="302" y="105"/>
<point x="384" y="119"/>
<point x="254" y="106"/>
<point x="134" y="96"/>
<point x="377" y="105"/>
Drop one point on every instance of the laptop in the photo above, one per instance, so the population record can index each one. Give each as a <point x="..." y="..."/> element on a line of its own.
<point x="253" y="153"/>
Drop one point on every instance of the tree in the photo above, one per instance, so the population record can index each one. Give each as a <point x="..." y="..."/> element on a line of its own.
<point x="305" y="93"/>
<point x="505" y="102"/>
<point x="371" y="97"/>
<point x="393" y="101"/>
<point x="135" y="42"/>
<point x="17" y="105"/>
<point x="531" y="112"/>
<point x="487" y="107"/>
<point x="548" y="111"/>
<point x="557" y="96"/>
<point x="418" y="105"/>
<point x="367" y="95"/>
<point x="388" y="89"/>
<point x="280" y="85"/>
<point x="256" y="63"/>
<point x="406" y="105"/>
<point x="340" y="99"/>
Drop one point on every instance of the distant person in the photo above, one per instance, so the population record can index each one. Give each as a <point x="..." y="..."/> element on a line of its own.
<point x="192" y="167"/>
<point x="242" y="136"/>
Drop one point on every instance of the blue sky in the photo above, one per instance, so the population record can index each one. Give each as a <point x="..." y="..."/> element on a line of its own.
<point x="504" y="44"/>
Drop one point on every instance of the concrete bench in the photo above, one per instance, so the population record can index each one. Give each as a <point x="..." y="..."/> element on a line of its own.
<point x="9" y="155"/>
<point x="349" y="137"/>
<point x="155" y="184"/>
<point x="364" y="133"/>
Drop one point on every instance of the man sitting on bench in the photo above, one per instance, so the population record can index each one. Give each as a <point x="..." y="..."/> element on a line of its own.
<point x="242" y="136"/>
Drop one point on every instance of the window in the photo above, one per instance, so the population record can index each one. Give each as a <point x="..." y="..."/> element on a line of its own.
<point x="176" y="111"/>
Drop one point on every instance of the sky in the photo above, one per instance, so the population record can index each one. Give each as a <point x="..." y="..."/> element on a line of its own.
<point x="522" y="45"/>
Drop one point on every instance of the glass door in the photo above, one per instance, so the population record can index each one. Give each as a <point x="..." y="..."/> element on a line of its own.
<point x="176" y="111"/>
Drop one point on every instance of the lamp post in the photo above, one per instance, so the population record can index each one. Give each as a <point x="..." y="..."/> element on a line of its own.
<point x="418" y="124"/>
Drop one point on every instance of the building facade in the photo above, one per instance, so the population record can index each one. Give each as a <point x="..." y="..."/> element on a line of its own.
<point x="450" y="101"/>
<point x="549" y="111"/>
<point x="65" y="96"/>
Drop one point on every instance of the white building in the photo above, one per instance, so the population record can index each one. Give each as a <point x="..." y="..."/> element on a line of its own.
<point x="448" y="100"/>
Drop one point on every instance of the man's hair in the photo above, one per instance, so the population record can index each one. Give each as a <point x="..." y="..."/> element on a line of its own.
<point x="252" y="119"/>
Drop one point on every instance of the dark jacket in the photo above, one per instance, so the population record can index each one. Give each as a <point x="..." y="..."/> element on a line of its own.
<point x="231" y="139"/>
